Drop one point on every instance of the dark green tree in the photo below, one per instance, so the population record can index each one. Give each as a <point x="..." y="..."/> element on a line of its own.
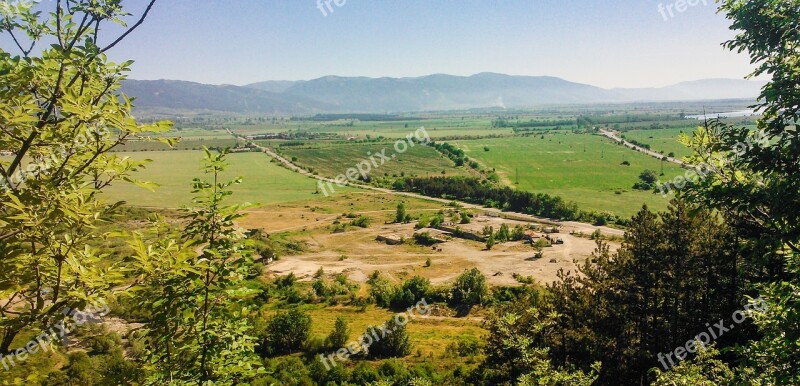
<point x="286" y="332"/>
<point x="470" y="289"/>
<point x="338" y="337"/>
<point x="753" y="177"/>
<point x="392" y="340"/>
<point x="400" y="215"/>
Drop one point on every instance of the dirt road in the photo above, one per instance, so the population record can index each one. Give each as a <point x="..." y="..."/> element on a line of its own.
<point x="614" y="136"/>
<point x="567" y="226"/>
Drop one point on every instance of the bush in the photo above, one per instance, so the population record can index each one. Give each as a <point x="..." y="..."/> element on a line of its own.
<point x="518" y="233"/>
<point x="648" y="176"/>
<point x="465" y="347"/>
<point x="105" y="343"/>
<point x="287" y="281"/>
<point x="400" y="215"/>
<point x="381" y="291"/>
<point x="402" y="298"/>
<point x="419" y="288"/>
<point x="285" y="333"/>
<point x="470" y="289"/>
<point x="364" y="374"/>
<point x="490" y="242"/>
<point x="362" y="222"/>
<point x="395" y="344"/>
<point x="286" y="371"/>
<point x="437" y="221"/>
<point x="504" y="234"/>
<point x="338" y="337"/>
<point x="424" y="238"/>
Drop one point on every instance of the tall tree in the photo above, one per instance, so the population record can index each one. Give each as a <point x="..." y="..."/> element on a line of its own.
<point x="61" y="113"/>
<point x="675" y="272"/>
<point x="199" y="332"/>
<point x="755" y="178"/>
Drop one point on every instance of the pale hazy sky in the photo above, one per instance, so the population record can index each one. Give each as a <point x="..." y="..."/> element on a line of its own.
<point x="607" y="43"/>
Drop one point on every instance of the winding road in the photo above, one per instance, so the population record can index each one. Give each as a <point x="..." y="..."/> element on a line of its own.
<point x="614" y="136"/>
<point x="567" y="226"/>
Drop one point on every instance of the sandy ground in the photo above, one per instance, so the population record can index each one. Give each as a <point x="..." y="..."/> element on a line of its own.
<point x="357" y="254"/>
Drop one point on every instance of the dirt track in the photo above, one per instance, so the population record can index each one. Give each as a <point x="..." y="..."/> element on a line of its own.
<point x="614" y="136"/>
<point x="568" y="226"/>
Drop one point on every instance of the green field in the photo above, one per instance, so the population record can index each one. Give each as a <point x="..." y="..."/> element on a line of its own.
<point x="263" y="182"/>
<point x="334" y="159"/>
<point x="664" y="141"/>
<point x="583" y="168"/>
<point x="436" y="127"/>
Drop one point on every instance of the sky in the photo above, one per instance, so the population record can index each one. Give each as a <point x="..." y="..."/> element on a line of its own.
<point x="606" y="43"/>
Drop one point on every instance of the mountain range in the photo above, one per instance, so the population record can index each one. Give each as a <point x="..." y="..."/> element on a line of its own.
<point x="333" y="94"/>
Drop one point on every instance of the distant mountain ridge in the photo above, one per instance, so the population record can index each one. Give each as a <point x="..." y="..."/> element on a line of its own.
<point x="333" y="94"/>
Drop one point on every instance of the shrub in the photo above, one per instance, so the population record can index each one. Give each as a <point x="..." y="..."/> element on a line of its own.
<point x="490" y="242"/>
<point x="503" y="234"/>
<point x="400" y="215"/>
<point x="648" y="177"/>
<point x="286" y="281"/>
<point x="364" y="374"/>
<point x="518" y="233"/>
<point x="395" y="344"/>
<point x="381" y="291"/>
<point x="361" y="221"/>
<point x="285" y="333"/>
<point x="105" y="343"/>
<point x="437" y="221"/>
<point x="424" y="238"/>
<point x="470" y="289"/>
<point x="338" y="337"/>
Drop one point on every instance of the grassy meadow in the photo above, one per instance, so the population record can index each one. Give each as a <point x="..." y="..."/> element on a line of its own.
<point x="264" y="182"/>
<point x="583" y="168"/>
<point x="436" y="127"/>
<point x="664" y="141"/>
<point x="333" y="159"/>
